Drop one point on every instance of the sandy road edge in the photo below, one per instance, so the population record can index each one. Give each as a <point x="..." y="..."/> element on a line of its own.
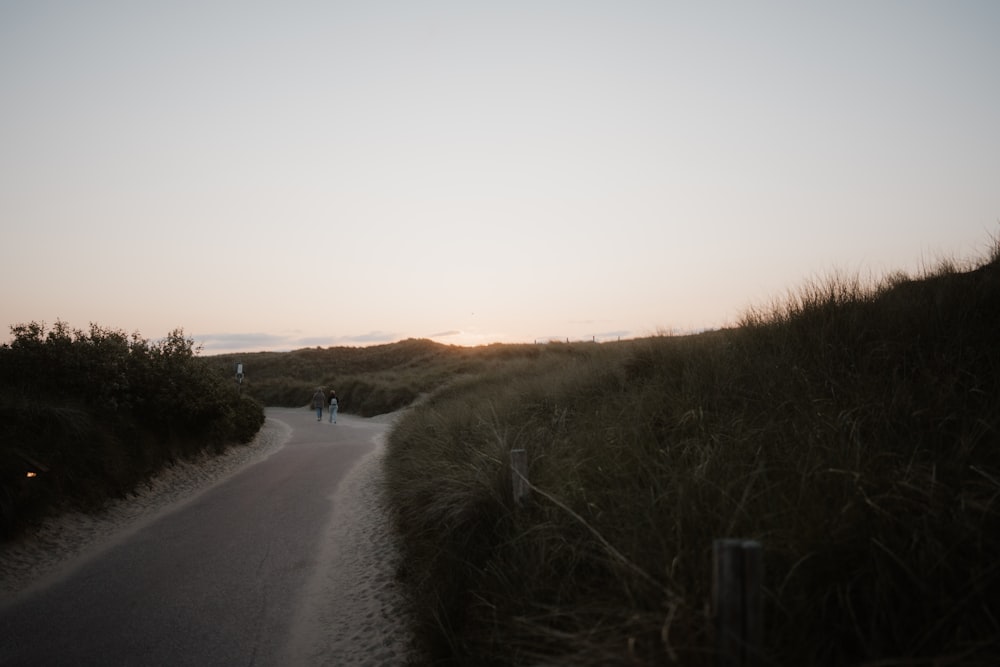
<point x="355" y="612"/>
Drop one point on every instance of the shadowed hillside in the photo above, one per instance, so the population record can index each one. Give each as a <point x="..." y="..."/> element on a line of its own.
<point x="853" y="430"/>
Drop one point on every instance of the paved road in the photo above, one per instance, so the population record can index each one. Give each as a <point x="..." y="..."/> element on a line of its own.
<point x="217" y="581"/>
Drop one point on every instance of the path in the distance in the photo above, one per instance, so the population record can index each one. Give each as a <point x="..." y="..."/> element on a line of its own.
<point x="232" y="577"/>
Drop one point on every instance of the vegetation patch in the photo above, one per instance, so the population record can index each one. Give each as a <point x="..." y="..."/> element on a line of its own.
<point x="853" y="430"/>
<point x="86" y="416"/>
<point x="369" y="381"/>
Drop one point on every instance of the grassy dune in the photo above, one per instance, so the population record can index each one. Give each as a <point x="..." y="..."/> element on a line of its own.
<point x="368" y="380"/>
<point x="853" y="429"/>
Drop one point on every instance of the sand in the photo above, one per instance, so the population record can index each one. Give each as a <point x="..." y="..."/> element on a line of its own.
<point x="355" y="611"/>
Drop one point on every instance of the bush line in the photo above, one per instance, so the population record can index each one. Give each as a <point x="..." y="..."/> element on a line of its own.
<point x="87" y="416"/>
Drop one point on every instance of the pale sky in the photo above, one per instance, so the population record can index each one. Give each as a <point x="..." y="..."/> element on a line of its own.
<point x="276" y="175"/>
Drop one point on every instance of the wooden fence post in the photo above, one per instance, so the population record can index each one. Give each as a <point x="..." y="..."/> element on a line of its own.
<point x="737" y="574"/>
<point x="519" y="475"/>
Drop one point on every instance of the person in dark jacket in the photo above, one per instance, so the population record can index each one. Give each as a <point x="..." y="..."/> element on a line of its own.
<point x="319" y="400"/>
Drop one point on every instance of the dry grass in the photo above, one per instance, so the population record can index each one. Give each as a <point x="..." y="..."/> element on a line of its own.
<point x="852" y="429"/>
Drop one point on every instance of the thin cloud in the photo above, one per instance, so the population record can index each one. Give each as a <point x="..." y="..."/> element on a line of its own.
<point x="239" y="342"/>
<point x="371" y="337"/>
<point x="222" y="343"/>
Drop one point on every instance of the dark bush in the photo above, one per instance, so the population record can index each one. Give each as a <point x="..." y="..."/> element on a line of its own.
<point x="90" y="414"/>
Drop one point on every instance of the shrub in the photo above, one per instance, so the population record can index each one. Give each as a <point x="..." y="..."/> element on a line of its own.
<point x="94" y="413"/>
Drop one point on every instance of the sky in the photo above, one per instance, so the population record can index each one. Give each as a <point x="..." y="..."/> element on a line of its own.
<point x="279" y="175"/>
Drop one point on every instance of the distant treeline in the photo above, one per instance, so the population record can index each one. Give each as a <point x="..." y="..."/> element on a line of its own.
<point x="87" y="415"/>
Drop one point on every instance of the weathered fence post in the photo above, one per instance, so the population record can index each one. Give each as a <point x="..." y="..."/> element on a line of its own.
<point x="737" y="573"/>
<point x="519" y="475"/>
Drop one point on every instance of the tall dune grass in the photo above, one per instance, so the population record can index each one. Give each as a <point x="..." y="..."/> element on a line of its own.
<point x="853" y="429"/>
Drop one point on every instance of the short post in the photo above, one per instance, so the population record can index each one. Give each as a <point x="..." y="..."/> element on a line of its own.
<point x="737" y="574"/>
<point x="519" y="475"/>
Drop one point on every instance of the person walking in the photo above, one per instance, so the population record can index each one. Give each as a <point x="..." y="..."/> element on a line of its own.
<point x="333" y="407"/>
<point x="319" y="400"/>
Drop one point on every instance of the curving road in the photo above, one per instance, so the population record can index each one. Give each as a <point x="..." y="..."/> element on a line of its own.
<point x="223" y="579"/>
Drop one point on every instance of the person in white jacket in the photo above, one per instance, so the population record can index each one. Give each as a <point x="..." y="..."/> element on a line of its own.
<point x="333" y="407"/>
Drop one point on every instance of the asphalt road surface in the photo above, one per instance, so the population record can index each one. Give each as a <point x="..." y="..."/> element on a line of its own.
<point x="217" y="580"/>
